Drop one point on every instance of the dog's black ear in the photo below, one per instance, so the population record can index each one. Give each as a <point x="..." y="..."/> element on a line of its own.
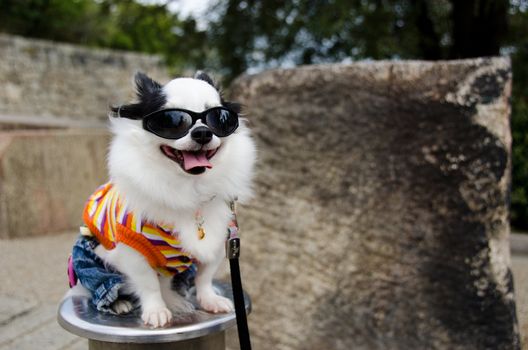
<point x="145" y="86"/>
<point x="150" y="99"/>
<point x="201" y="75"/>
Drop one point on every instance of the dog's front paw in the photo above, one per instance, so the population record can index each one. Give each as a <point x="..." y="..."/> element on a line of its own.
<point x="121" y="307"/>
<point x="215" y="303"/>
<point x="156" y="317"/>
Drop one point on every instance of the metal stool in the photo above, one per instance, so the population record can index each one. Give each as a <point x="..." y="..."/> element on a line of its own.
<point x="196" y="331"/>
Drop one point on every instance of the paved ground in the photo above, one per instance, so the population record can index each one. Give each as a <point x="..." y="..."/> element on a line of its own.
<point x="33" y="282"/>
<point x="520" y="276"/>
<point x="33" y="279"/>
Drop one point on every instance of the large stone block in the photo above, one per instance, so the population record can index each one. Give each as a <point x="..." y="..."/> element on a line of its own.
<point x="381" y="217"/>
<point x="45" y="178"/>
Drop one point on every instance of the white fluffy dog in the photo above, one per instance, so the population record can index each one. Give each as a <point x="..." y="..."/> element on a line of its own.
<point x="180" y="173"/>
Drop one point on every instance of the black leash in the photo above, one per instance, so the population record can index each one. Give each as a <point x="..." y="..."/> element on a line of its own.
<point x="233" y="252"/>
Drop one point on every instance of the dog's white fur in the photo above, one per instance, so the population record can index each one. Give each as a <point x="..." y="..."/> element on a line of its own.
<point x="156" y="187"/>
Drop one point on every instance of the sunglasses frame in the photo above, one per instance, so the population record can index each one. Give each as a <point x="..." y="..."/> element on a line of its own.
<point x="195" y="117"/>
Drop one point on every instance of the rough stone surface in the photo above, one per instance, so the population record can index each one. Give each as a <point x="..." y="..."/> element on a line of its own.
<point x="45" y="178"/>
<point x="66" y="81"/>
<point x="381" y="217"/>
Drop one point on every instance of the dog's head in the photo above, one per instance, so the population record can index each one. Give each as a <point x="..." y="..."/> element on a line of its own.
<point x="180" y="144"/>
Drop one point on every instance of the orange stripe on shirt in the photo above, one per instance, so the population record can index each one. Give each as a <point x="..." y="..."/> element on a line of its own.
<point x="149" y="239"/>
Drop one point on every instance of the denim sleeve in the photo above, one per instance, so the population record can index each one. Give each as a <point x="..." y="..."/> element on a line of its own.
<point x="104" y="283"/>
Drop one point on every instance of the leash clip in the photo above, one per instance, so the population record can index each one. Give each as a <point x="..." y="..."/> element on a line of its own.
<point x="233" y="248"/>
<point x="233" y="240"/>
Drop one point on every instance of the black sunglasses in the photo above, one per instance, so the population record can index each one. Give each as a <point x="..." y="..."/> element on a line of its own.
<point x="174" y="123"/>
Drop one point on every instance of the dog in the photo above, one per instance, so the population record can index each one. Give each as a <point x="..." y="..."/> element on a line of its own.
<point x="179" y="155"/>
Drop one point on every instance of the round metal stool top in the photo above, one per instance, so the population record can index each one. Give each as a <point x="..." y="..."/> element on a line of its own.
<point x="78" y="316"/>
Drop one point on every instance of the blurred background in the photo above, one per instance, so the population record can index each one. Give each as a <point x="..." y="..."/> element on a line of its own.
<point x="231" y="37"/>
<point x="63" y="61"/>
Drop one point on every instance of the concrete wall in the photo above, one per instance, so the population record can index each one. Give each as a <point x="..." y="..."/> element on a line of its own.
<point x="42" y="78"/>
<point x="54" y="100"/>
<point x="46" y="177"/>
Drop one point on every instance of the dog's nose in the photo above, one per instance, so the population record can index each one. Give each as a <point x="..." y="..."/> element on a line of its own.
<point x="202" y="135"/>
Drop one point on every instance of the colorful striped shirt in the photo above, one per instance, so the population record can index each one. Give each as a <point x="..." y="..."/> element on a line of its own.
<point x="110" y="222"/>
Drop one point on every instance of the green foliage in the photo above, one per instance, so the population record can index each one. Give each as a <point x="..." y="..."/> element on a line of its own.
<point x="71" y="21"/>
<point x="519" y="200"/>
<point x="265" y="33"/>
<point x="518" y="41"/>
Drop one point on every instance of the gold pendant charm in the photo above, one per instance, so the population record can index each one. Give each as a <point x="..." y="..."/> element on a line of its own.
<point x="201" y="233"/>
<point x="198" y="217"/>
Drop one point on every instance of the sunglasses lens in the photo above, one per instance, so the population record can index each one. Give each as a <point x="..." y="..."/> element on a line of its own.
<point x="222" y="122"/>
<point x="169" y="124"/>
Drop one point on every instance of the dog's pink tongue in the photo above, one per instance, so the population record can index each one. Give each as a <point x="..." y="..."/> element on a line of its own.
<point x="195" y="159"/>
